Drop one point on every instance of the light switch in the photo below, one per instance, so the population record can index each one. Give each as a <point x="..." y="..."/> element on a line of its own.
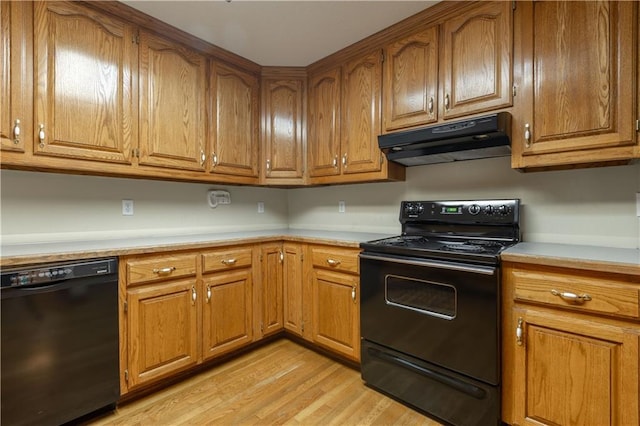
<point x="260" y="206"/>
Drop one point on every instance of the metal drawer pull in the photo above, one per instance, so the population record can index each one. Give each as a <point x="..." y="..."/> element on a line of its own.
<point x="519" y="332"/>
<point x="16" y="132"/>
<point x="333" y="262"/>
<point x="577" y="299"/>
<point x="164" y="271"/>
<point x="353" y="293"/>
<point x="430" y="105"/>
<point x="229" y="262"/>
<point x="208" y="293"/>
<point x="193" y="295"/>
<point x="527" y="135"/>
<point x="446" y="101"/>
<point x="41" y="135"/>
<point x="335" y="161"/>
<point x="281" y="256"/>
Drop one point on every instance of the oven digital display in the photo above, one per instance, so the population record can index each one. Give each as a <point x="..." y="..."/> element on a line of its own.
<point x="451" y="210"/>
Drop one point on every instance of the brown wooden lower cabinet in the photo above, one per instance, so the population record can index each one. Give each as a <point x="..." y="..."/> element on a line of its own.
<point x="180" y="309"/>
<point x="571" y="359"/>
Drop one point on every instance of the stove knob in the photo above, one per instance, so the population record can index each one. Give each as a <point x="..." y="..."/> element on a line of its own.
<point x="474" y="209"/>
<point x="503" y="210"/>
<point x="488" y="210"/>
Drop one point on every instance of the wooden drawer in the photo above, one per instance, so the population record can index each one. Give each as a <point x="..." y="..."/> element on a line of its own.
<point x="226" y="259"/>
<point x="335" y="258"/>
<point x="580" y="290"/>
<point x="157" y="268"/>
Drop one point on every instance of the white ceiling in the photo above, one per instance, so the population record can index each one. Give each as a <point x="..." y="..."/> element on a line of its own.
<point x="284" y="33"/>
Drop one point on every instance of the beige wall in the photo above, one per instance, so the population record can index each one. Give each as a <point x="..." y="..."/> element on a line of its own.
<point x="590" y="206"/>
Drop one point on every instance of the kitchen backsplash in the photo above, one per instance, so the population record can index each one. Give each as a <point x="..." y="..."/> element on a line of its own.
<point x="589" y="206"/>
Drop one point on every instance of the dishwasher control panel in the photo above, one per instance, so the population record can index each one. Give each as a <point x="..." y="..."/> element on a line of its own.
<point x="42" y="274"/>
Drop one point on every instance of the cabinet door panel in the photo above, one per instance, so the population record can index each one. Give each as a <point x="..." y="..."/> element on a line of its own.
<point x="477" y="60"/>
<point x="411" y="81"/>
<point x="293" y="288"/>
<point x="336" y="312"/>
<point x="235" y="122"/>
<point x="324" y="123"/>
<point x="227" y="313"/>
<point x="15" y="82"/>
<point x="575" y="372"/>
<point x="83" y="64"/>
<point x="172" y="105"/>
<point x="162" y="322"/>
<point x="283" y="115"/>
<point x="271" y="282"/>
<point x="577" y="69"/>
<point x="361" y="99"/>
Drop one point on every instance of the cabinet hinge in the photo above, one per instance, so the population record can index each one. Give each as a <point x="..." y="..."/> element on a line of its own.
<point x="381" y="158"/>
<point x="513" y="91"/>
<point x="126" y="375"/>
<point x="261" y="327"/>
<point x="136" y="38"/>
<point x="135" y="152"/>
<point x="261" y="257"/>
<point x="302" y="258"/>
<point x="302" y="326"/>
<point x="513" y="4"/>
<point x="126" y="306"/>
<point x="382" y="56"/>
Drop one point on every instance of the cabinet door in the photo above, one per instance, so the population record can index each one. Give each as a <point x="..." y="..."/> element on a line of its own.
<point x="235" y="115"/>
<point x="84" y="89"/>
<point x="227" y="317"/>
<point x="324" y="123"/>
<point x="411" y="80"/>
<point x="292" y="287"/>
<point x="336" y="312"/>
<point x="282" y="146"/>
<point x="270" y="289"/>
<point x="172" y="104"/>
<point x="16" y="64"/>
<point x="476" y="60"/>
<point x="163" y="334"/>
<point x="576" y="72"/>
<point x="361" y="99"/>
<point x="571" y="371"/>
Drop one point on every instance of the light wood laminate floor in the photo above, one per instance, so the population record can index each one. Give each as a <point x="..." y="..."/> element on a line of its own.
<point x="279" y="383"/>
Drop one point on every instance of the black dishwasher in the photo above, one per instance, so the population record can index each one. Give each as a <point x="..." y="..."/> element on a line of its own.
<point x="59" y="341"/>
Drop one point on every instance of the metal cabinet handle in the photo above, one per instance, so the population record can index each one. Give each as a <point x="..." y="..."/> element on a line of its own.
<point x="164" y="271"/>
<point x="41" y="135"/>
<point x="194" y="296"/>
<point x="229" y="262"/>
<point x="353" y="293"/>
<point x="281" y="256"/>
<point x="344" y="160"/>
<point x="268" y="166"/>
<point x="519" y="332"/>
<point x="577" y="299"/>
<point x="430" y="105"/>
<point x="446" y="101"/>
<point x="16" y="132"/>
<point x="527" y="135"/>
<point x="203" y="157"/>
<point x="333" y="262"/>
<point x="214" y="159"/>
<point x="208" y="293"/>
<point x="335" y="161"/>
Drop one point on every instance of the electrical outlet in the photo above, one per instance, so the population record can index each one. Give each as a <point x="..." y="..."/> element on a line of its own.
<point x="341" y="207"/>
<point x="127" y="207"/>
<point x="638" y="204"/>
<point x="260" y="206"/>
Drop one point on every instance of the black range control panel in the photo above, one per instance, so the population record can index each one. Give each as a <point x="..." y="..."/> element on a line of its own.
<point x="478" y="211"/>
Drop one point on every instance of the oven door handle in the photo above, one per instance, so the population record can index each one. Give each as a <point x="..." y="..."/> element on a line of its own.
<point x="452" y="382"/>
<point x="486" y="270"/>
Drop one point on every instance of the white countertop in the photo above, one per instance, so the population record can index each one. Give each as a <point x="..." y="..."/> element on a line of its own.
<point x="593" y="257"/>
<point x="12" y="254"/>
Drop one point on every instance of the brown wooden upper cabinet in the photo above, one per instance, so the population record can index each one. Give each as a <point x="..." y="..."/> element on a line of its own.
<point x="282" y="129"/>
<point x="172" y="104"/>
<point x="84" y="86"/>
<point x="15" y="88"/>
<point x="235" y="123"/>
<point x="345" y="121"/>
<point x="471" y="53"/>
<point x="575" y="70"/>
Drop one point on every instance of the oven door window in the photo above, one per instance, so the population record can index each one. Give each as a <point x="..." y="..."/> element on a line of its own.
<point x="426" y="297"/>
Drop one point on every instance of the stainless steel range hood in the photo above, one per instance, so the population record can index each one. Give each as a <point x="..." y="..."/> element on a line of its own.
<point x="478" y="137"/>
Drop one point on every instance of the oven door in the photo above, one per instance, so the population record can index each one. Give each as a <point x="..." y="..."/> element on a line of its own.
<point x="445" y="313"/>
